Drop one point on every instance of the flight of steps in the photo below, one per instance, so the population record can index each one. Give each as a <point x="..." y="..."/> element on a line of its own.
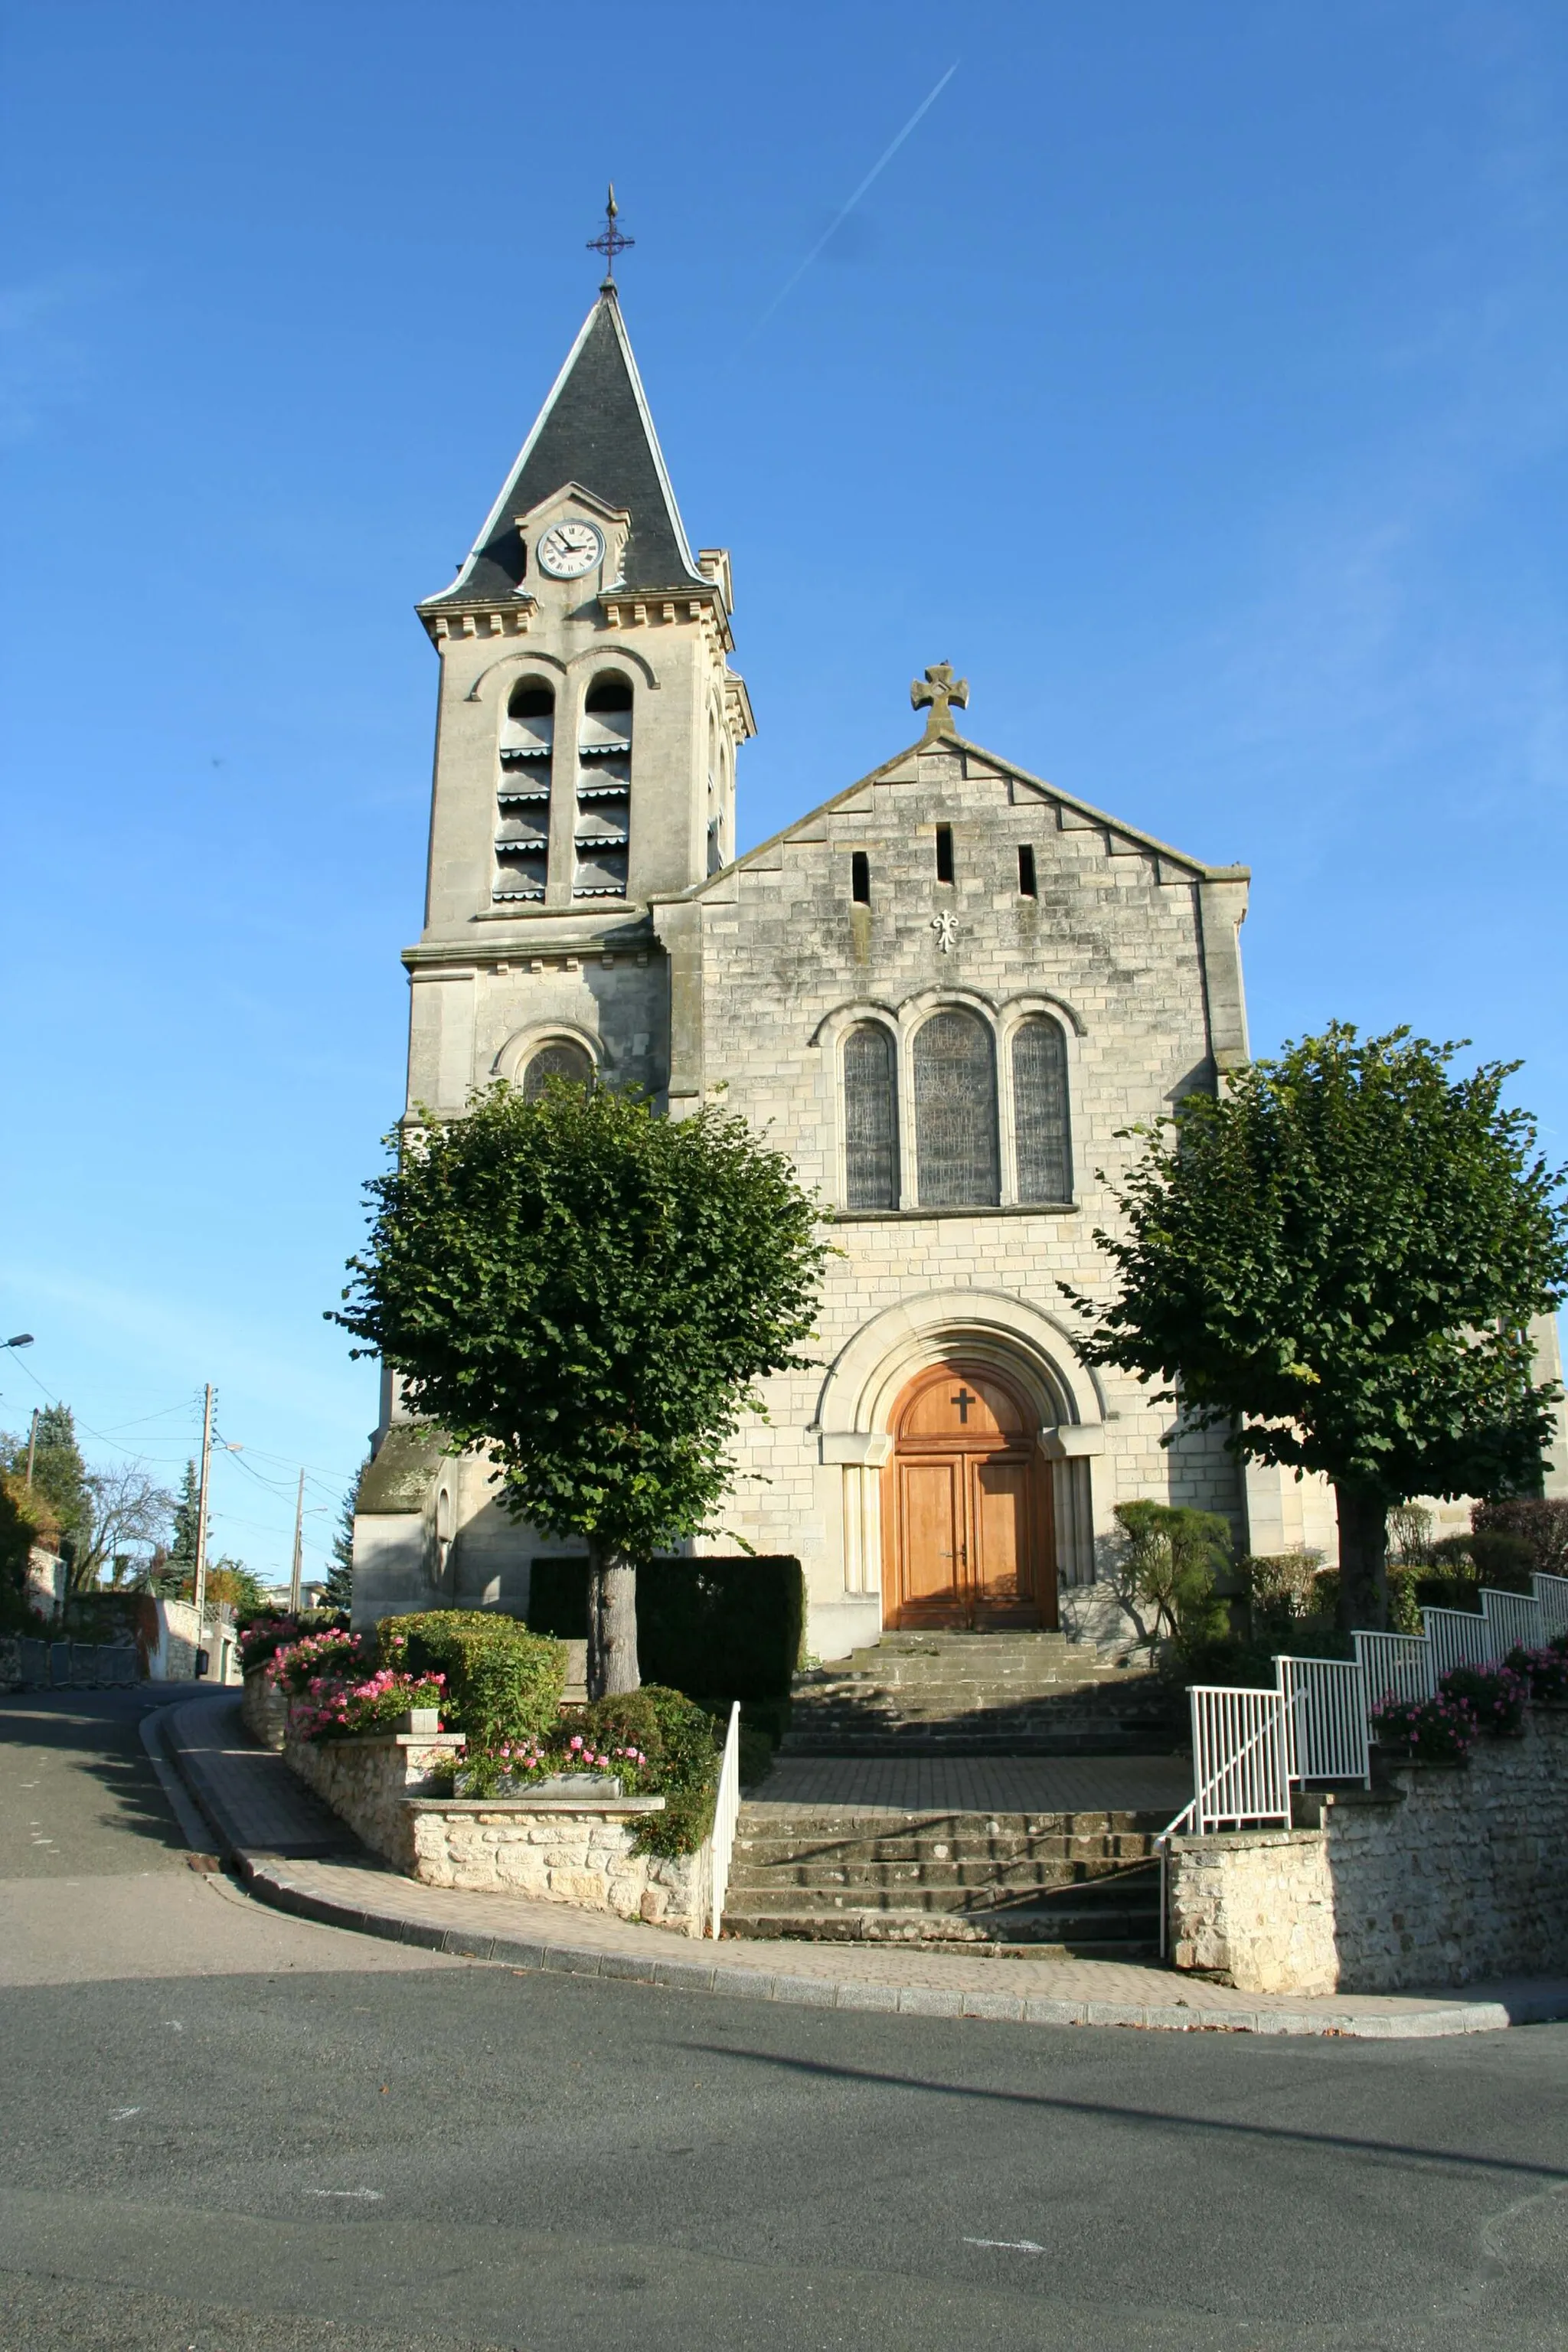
<point x="1083" y="1884"/>
<point x="1015" y="1694"/>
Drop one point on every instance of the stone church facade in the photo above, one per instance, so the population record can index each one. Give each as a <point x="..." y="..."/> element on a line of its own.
<point x="945" y="989"/>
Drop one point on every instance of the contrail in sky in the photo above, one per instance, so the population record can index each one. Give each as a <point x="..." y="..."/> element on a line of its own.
<point x="880" y="166"/>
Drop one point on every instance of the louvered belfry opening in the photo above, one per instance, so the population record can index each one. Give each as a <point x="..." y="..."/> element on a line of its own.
<point x="1041" y="1128"/>
<point x="871" y="1119"/>
<point x="560" y="1058"/>
<point x="956" y="1158"/>
<point x="601" y="828"/>
<point x="523" y="794"/>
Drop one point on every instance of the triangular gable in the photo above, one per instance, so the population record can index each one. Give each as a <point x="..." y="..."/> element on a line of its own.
<point x="595" y="429"/>
<point x="1073" y="815"/>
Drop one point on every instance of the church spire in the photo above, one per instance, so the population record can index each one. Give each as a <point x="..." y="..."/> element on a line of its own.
<point x="595" y="430"/>
<point x="609" y="242"/>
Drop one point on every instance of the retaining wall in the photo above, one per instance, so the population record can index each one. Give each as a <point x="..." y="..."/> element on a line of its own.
<point x="1442" y="1874"/>
<point x="265" y="1710"/>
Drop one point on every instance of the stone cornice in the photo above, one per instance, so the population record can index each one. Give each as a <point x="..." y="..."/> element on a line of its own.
<point x="484" y="616"/>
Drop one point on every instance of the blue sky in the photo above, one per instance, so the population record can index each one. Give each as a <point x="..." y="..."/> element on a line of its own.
<point x="1195" y="380"/>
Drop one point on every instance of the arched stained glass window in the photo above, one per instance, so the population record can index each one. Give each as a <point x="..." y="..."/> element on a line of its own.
<point x="955" y="1113"/>
<point x="560" y="1059"/>
<point x="1040" y="1123"/>
<point x="871" y="1119"/>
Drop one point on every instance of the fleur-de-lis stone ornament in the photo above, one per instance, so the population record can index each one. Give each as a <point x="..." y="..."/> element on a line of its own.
<point x="941" y="689"/>
<point x="945" y="926"/>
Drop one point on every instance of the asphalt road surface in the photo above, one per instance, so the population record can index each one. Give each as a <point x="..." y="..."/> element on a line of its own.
<point x="226" y="2131"/>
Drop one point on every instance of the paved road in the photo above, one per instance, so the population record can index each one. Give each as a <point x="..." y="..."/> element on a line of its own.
<point x="378" y="2154"/>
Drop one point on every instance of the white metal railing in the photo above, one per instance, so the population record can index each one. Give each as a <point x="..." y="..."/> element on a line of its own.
<point x="1393" y="1666"/>
<point x="726" y="1813"/>
<point x="1552" y="1598"/>
<point x="1325" y="1719"/>
<point x="1240" y="1762"/>
<point x="1514" y="1621"/>
<point x="1458" y="1638"/>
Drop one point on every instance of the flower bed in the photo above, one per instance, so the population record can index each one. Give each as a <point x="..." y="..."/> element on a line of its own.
<point x="336" y="1709"/>
<point x="1425" y="1730"/>
<point x="263" y="1634"/>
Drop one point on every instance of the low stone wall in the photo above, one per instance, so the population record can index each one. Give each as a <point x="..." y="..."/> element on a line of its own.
<point x="368" y="1782"/>
<point x="561" y="1851"/>
<point x="1443" y="1874"/>
<point x="264" y="1710"/>
<point x="551" y="1850"/>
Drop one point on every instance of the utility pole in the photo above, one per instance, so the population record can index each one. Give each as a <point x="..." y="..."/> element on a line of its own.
<point x="32" y="1446"/>
<point x="299" y="1549"/>
<point x="201" y="1592"/>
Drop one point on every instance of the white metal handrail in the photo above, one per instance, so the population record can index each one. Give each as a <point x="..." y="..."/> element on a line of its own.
<point x="1458" y="1638"/>
<point x="1514" y="1620"/>
<point x="1393" y="1666"/>
<point x="1325" y="1719"/>
<point x="1238" y="1755"/>
<point x="726" y="1814"/>
<point x="1552" y="1598"/>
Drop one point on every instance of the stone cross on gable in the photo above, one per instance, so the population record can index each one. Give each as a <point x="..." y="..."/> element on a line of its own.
<point x="941" y="690"/>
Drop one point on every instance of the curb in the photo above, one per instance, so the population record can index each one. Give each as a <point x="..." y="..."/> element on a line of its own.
<point x="270" y="1877"/>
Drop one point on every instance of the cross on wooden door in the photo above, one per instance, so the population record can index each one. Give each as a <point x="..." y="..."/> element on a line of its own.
<point x="963" y="1401"/>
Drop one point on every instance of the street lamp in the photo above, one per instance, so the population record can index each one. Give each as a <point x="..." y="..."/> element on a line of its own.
<point x="22" y="1340"/>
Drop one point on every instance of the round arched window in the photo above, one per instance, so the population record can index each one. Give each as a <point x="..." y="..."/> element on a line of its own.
<point x="561" y="1058"/>
<point x="955" y="1112"/>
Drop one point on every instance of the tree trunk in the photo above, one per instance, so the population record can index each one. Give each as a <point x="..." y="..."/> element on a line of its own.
<point x="1363" y="1558"/>
<point x="612" y="1623"/>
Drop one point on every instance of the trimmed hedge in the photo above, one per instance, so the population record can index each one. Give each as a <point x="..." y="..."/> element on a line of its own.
<point x="682" y="1748"/>
<point x="502" y="1681"/>
<point x="731" y="1626"/>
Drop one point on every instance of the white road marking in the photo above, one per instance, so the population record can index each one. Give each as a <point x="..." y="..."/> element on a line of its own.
<point x="374" y="2193"/>
<point x="1008" y="2246"/>
<point x="173" y="2025"/>
<point x="120" y="2113"/>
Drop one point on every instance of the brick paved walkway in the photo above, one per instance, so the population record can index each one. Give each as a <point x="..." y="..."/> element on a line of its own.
<point x="297" y="1859"/>
<point x="980" y="1784"/>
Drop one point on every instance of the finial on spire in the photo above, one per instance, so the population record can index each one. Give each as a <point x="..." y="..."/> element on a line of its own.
<point x="941" y="690"/>
<point x="610" y="242"/>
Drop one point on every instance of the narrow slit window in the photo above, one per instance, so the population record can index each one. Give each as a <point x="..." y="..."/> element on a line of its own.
<point x="944" y="853"/>
<point x="522" y="795"/>
<point x="860" y="878"/>
<point x="1027" y="887"/>
<point x="957" y="1158"/>
<point x="1040" y="1121"/>
<point x="870" y="1120"/>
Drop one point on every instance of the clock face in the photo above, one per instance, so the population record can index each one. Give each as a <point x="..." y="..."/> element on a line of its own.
<point x="567" y="549"/>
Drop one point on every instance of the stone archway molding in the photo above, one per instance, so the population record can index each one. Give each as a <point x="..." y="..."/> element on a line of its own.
<point x="1035" y="1348"/>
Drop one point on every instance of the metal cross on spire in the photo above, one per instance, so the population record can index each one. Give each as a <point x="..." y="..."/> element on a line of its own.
<point x="610" y="241"/>
<point x="941" y="689"/>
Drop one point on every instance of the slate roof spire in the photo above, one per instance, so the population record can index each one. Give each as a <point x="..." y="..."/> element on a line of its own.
<point x="596" y="430"/>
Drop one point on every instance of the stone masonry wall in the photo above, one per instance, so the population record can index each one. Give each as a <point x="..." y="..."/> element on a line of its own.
<point x="1446" y="1875"/>
<point x="556" y="1852"/>
<point x="368" y="1781"/>
<point x="264" y="1710"/>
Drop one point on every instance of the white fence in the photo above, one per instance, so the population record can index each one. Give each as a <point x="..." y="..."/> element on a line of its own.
<point x="1240" y="1757"/>
<point x="1458" y="1638"/>
<point x="1393" y="1666"/>
<point x="726" y="1813"/>
<point x="1551" y="1599"/>
<point x="1325" y="1717"/>
<point x="1513" y="1620"/>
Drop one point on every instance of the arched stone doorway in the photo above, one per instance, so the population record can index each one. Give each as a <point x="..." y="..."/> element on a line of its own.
<point x="967" y="1514"/>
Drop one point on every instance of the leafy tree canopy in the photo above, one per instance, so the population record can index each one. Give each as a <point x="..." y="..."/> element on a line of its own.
<point x="590" y="1294"/>
<point x="1337" y="1260"/>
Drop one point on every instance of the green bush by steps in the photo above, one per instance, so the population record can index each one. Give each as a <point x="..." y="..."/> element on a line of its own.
<point x="730" y="1626"/>
<point x="682" y="1744"/>
<point x="502" y="1681"/>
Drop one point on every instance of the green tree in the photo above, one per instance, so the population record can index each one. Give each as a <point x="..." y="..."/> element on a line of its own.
<point x="589" y="1295"/>
<point x="1337" y="1260"/>
<point x="59" y="1478"/>
<point x="187" y="1518"/>
<point x="338" y="1592"/>
<point x="1170" y="1558"/>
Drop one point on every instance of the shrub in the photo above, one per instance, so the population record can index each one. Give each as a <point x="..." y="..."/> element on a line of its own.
<point x="1495" y="1697"/>
<point x="1430" y="1730"/>
<point x="337" y="1709"/>
<point x="502" y="1682"/>
<point x="1539" y="1522"/>
<point x="264" y="1632"/>
<point x="660" y="1743"/>
<point x="338" y="1656"/>
<point x="729" y="1625"/>
<point x="1545" y="1671"/>
<point x="1170" y="1558"/>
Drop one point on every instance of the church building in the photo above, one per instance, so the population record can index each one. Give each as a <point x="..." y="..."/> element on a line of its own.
<point x="946" y="989"/>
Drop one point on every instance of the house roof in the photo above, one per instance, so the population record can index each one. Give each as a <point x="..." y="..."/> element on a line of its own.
<point x="595" y="430"/>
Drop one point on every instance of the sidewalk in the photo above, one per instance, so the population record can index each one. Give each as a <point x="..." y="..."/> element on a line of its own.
<point x="296" y="1855"/>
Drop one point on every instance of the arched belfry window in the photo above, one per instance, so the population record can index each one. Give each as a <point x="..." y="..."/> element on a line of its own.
<point x="522" y="796"/>
<point x="955" y="1113"/>
<point x="602" y="830"/>
<point x="871" y="1119"/>
<point x="563" y="1057"/>
<point x="1041" y="1126"/>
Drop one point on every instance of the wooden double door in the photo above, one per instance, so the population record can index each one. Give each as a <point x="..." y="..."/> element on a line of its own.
<point x="967" y="1512"/>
